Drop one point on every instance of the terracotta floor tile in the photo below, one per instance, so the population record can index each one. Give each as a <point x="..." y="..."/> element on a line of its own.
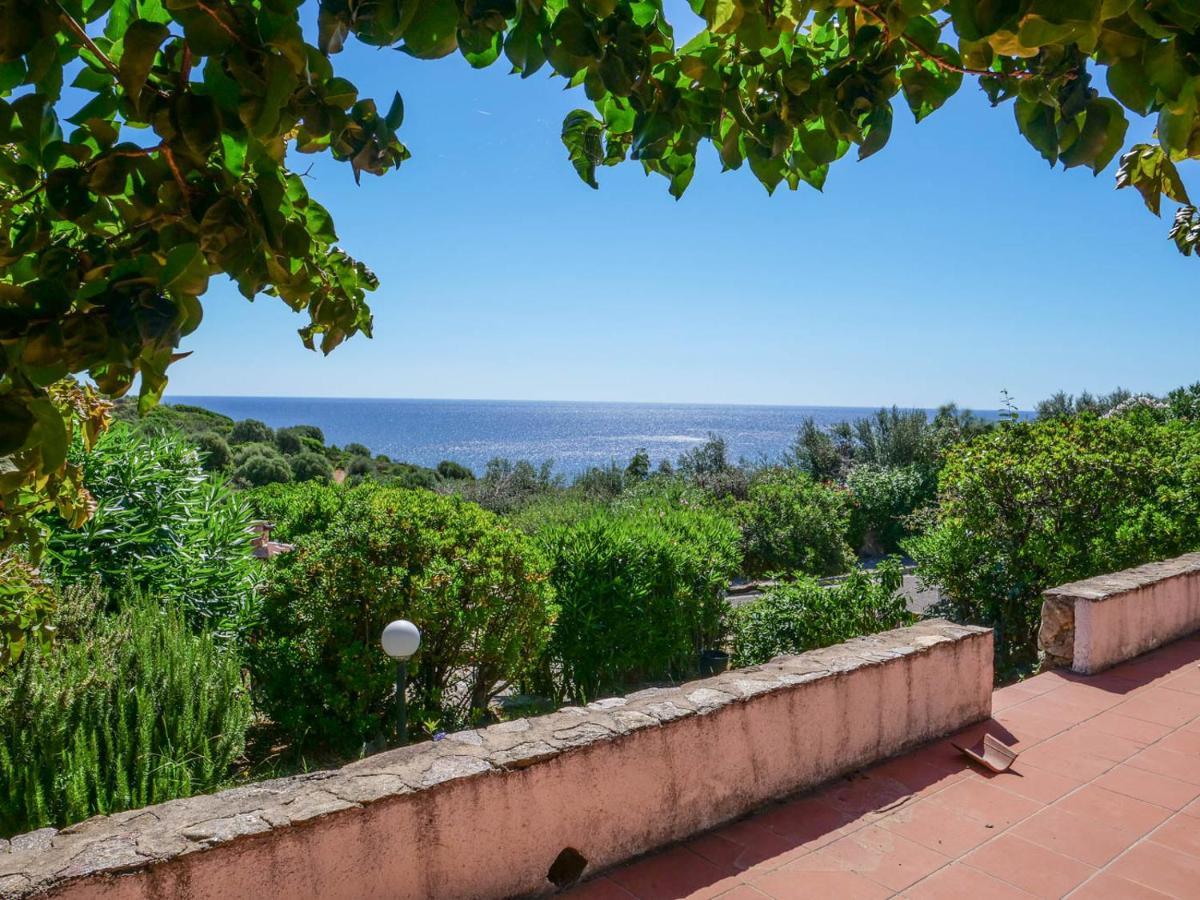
<point x="1192" y="809"/>
<point x="1079" y="764"/>
<point x="599" y="889"/>
<point x="925" y="771"/>
<point x="1180" y="833"/>
<point x="1029" y="781"/>
<point x="1067" y="712"/>
<point x="742" y="892"/>
<point x="1138" y="730"/>
<point x="864" y="795"/>
<point x="716" y="849"/>
<point x="1181" y="742"/>
<point x="1012" y="695"/>
<point x="1187" y="680"/>
<point x="1048" y="681"/>
<point x="810" y="821"/>
<point x="1107" y="886"/>
<point x="883" y="856"/>
<point x="1029" y="727"/>
<point x="1029" y="866"/>
<point x="1092" y="693"/>
<point x="1161" y="868"/>
<point x="1162" y="705"/>
<point x="1150" y="786"/>
<point x="795" y="884"/>
<point x="1118" y="810"/>
<point x="937" y="827"/>
<point x="981" y="800"/>
<point x="957" y="881"/>
<point x="1184" y="766"/>
<point x="1075" y="836"/>
<point x="1086" y="740"/>
<point x="669" y="875"/>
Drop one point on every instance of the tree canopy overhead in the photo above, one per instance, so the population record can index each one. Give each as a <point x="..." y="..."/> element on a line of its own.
<point x="165" y="163"/>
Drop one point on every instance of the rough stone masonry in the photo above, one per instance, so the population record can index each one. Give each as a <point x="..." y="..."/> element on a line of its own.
<point x="487" y="812"/>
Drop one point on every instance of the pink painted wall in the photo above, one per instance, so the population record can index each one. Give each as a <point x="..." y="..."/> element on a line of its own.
<point x="1120" y="627"/>
<point x="496" y="834"/>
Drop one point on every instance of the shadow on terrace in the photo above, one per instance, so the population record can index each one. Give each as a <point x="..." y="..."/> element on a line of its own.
<point x="1101" y="802"/>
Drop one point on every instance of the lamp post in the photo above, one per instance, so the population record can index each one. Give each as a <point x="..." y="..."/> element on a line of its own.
<point x="400" y="640"/>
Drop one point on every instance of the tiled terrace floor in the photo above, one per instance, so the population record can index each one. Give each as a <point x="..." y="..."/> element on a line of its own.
<point x="1101" y="802"/>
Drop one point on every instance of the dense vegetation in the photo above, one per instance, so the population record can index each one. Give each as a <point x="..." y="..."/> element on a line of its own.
<point x="1033" y="505"/>
<point x="165" y="160"/>
<point x="477" y="587"/>
<point x="801" y="614"/>
<point x="149" y="655"/>
<point x="129" y="709"/>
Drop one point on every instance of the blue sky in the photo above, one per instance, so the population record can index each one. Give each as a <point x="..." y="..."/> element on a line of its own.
<point x="953" y="264"/>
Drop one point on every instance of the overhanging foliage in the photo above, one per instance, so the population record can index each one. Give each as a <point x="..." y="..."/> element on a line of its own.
<point x="115" y="211"/>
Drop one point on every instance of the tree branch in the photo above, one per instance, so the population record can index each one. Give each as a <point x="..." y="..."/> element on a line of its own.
<point x="944" y="64"/>
<point x="82" y="36"/>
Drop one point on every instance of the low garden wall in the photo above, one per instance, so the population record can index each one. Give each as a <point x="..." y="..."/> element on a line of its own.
<point x="1092" y="624"/>
<point x="529" y="805"/>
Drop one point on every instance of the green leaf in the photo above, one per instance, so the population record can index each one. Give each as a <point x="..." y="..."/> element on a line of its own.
<point x="141" y="43"/>
<point x="876" y="131"/>
<point x="581" y="134"/>
<point x="1128" y="82"/>
<point x="1100" y="137"/>
<point x="1037" y="123"/>
<point x="185" y="270"/>
<point x="926" y="86"/>
<point x="432" y="33"/>
<point x="16" y="421"/>
<point x="395" y="114"/>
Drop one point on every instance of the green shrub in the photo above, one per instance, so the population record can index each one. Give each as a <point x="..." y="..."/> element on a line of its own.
<point x="507" y="485"/>
<point x="641" y="588"/>
<point x="453" y="471"/>
<point x="792" y="523"/>
<point x="476" y="588"/>
<point x="163" y="526"/>
<point x="707" y="466"/>
<point x="309" y="432"/>
<point x="251" y="431"/>
<point x="881" y="501"/>
<point x="360" y="466"/>
<point x="287" y="441"/>
<point x="297" y="510"/>
<point x="309" y="466"/>
<point x="358" y="450"/>
<point x="128" y="710"/>
<point x="260" y="464"/>
<point x="215" y="454"/>
<point x="1034" y="505"/>
<point x="799" y="615"/>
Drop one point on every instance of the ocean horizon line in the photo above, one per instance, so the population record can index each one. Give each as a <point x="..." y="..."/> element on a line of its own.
<point x="184" y="398"/>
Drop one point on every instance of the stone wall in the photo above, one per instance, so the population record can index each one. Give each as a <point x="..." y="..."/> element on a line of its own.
<point x="525" y="806"/>
<point x="1096" y="623"/>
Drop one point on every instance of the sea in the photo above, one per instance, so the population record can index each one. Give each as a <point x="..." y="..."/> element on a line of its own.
<point x="573" y="435"/>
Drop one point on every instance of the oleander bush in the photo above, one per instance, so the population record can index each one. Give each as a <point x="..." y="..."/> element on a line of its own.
<point x="1033" y="505"/>
<point x="476" y="587"/>
<point x="800" y="614"/>
<point x="792" y="523"/>
<point x="162" y="525"/>
<point x="641" y="588"/>
<point x="127" y="710"/>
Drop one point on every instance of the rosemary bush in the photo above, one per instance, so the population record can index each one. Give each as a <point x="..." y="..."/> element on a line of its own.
<point x="129" y="709"/>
